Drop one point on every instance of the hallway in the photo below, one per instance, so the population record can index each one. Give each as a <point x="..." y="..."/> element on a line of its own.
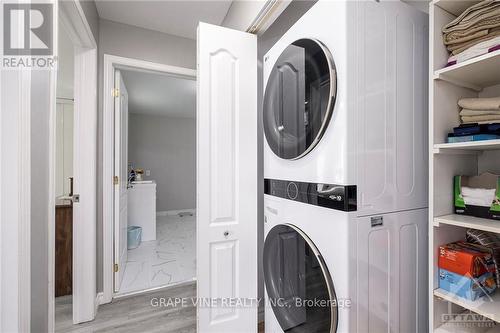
<point x="135" y="314"/>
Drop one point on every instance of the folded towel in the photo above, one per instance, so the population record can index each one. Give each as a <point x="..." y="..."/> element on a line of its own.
<point x="490" y="39"/>
<point x="474" y="9"/>
<point x="488" y="122"/>
<point x="475" y="51"/>
<point x="475" y="18"/>
<point x="482" y="104"/>
<point x="468" y="112"/>
<point x="475" y="119"/>
<point x="488" y="23"/>
<point x="467" y="38"/>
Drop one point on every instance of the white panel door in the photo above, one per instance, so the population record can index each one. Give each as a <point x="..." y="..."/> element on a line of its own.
<point x="121" y="170"/>
<point x="226" y="178"/>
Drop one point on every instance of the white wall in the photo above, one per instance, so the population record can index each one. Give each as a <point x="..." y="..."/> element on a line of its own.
<point x="133" y="42"/>
<point x="167" y="147"/>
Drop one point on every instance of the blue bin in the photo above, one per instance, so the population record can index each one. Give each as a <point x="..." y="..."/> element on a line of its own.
<point x="134" y="234"/>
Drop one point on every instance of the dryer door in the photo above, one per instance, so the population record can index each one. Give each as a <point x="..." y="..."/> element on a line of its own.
<point x="299" y="98"/>
<point x="298" y="283"/>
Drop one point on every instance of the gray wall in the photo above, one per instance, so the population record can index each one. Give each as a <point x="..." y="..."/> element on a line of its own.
<point x="133" y="42"/>
<point x="289" y="16"/>
<point x="92" y="16"/>
<point x="167" y="147"/>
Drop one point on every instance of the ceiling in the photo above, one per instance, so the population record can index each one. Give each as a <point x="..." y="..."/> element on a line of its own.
<point x="160" y="94"/>
<point x="178" y="18"/>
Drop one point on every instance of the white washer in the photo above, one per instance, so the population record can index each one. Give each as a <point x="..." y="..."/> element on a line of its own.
<point x="345" y="167"/>
<point x="372" y="270"/>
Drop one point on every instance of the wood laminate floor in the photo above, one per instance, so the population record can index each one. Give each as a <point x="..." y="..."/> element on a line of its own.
<point x="136" y="314"/>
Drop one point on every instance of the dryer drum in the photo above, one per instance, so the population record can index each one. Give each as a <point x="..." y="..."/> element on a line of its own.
<point x="299" y="98"/>
<point x="298" y="284"/>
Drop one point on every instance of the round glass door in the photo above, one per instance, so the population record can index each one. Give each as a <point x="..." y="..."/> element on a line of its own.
<point x="298" y="283"/>
<point x="299" y="98"/>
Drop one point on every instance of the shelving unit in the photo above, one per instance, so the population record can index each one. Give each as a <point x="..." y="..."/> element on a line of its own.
<point x="455" y="7"/>
<point x="478" y="146"/>
<point x="476" y="73"/>
<point x="488" y="307"/>
<point x="465" y="221"/>
<point x="478" y="77"/>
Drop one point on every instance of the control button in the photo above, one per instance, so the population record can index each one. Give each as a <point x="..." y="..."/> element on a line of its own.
<point x="292" y="190"/>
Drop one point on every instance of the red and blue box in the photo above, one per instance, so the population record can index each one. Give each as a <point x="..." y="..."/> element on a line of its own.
<point x="467" y="287"/>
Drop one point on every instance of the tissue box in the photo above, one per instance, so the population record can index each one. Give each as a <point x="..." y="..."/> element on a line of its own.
<point x="465" y="286"/>
<point x="474" y="207"/>
<point x="465" y="259"/>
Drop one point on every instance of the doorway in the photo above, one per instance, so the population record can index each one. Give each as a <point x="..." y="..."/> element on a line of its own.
<point x="150" y="152"/>
<point x="155" y="198"/>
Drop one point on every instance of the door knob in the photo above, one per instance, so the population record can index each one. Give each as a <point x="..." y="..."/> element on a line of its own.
<point x="226" y="233"/>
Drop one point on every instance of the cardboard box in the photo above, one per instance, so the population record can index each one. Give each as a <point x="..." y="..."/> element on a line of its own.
<point x="466" y="259"/>
<point x="465" y="286"/>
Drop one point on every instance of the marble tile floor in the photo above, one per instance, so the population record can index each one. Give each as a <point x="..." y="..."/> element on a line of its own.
<point x="169" y="260"/>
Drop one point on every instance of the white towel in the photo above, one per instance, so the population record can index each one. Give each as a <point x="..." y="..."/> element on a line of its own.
<point x="480" y="103"/>
<point x="478" y="196"/>
<point x="468" y="112"/>
<point x="475" y="51"/>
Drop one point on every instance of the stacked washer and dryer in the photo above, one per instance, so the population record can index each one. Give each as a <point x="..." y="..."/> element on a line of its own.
<point x="345" y="168"/>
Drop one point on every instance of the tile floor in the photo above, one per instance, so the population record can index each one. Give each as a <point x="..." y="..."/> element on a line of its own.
<point x="169" y="260"/>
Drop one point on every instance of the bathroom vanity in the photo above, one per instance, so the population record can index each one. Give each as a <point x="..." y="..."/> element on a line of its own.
<point x="142" y="208"/>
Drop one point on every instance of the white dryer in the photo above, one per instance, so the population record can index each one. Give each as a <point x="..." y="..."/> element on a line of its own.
<point x="345" y="102"/>
<point x="345" y="168"/>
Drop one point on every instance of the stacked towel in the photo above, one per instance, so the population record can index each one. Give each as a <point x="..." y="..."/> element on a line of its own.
<point x="477" y="24"/>
<point x="480" y="110"/>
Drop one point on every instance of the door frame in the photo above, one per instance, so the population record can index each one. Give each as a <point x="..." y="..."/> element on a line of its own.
<point x="111" y="63"/>
<point x="72" y="18"/>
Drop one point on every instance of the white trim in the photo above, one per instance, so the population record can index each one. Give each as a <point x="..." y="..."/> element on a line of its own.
<point x="268" y="14"/>
<point x="15" y="203"/>
<point x="149" y="290"/>
<point x="98" y="300"/>
<point x="175" y="212"/>
<point x="25" y="204"/>
<point x="72" y="18"/>
<point x="110" y="63"/>
<point x="51" y="234"/>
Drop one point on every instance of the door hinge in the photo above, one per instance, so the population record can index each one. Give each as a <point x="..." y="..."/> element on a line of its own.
<point x="115" y="268"/>
<point x="115" y="180"/>
<point x="115" y="92"/>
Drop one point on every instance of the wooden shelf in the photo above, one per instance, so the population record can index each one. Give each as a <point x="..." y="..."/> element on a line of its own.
<point x="488" y="307"/>
<point x="455" y="7"/>
<point x="469" y="222"/>
<point x="466" y="147"/>
<point x="476" y="73"/>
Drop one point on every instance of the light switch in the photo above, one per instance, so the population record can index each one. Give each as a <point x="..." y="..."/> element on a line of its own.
<point x="148" y="173"/>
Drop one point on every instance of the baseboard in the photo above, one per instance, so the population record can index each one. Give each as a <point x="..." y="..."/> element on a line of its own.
<point x="99" y="299"/>
<point x="175" y="212"/>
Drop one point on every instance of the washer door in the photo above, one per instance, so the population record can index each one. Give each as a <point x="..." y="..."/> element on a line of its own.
<point x="299" y="98"/>
<point x="298" y="283"/>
